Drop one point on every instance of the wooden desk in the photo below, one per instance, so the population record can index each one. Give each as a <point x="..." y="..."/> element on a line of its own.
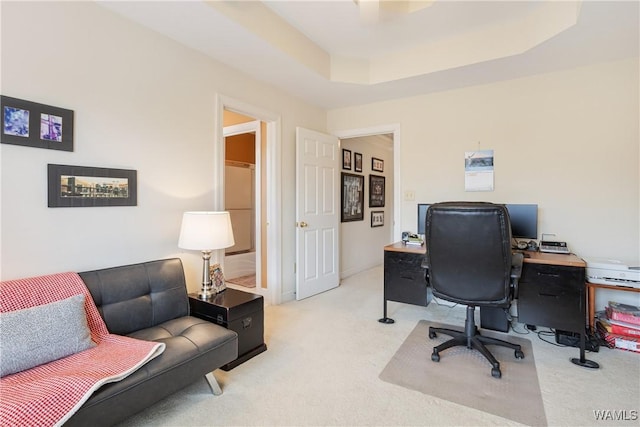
<point x="567" y="260"/>
<point x="401" y="247"/>
<point x="551" y="290"/>
<point x="404" y="277"/>
<point x="570" y="260"/>
<point x="591" y="303"/>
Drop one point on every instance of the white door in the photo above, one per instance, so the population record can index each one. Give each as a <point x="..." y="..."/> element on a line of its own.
<point x="317" y="212"/>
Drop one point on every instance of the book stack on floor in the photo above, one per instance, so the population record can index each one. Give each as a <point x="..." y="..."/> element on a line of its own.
<point x="619" y="326"/>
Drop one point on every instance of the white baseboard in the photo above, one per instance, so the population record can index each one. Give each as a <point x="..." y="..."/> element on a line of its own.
<point x="357" y="269"/>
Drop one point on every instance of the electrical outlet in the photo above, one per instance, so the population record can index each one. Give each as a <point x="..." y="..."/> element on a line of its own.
<point x="409" y="195"/>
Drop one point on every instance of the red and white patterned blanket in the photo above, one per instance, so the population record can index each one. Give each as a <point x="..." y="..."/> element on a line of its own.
<point x="50" y="394"/>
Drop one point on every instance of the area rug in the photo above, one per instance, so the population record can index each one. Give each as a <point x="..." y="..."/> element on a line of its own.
<point x="248" y="281"/>
<point x="463" y="376"/>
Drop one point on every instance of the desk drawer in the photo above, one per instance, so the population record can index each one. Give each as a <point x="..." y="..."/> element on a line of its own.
<point x="552" y="296"/>
<point x="555" y="276"/>
<point x="404" y="278"/>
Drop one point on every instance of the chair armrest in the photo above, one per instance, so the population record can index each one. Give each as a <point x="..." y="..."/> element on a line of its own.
<point x="516" y="265"/>
<point x="516" y="272"/>
<point x="425" y="266"/>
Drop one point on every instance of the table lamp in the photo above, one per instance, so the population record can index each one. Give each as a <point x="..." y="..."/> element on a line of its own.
<point x="206" y="231"/>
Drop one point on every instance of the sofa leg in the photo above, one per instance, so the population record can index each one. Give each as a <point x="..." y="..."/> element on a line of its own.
<point x="213" y="384"/>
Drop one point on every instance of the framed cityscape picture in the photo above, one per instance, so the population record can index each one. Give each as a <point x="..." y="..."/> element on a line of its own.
<point x="84" y="186"/>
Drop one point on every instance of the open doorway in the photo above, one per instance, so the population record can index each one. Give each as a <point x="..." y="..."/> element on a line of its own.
<point x="375" y="155"/>
<point x="268" y="222"/>
<point x="360" y="241"/>
<point x="244" y="190"/>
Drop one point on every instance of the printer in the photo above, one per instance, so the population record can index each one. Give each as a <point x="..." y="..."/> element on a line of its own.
<point x="612" y="272"/>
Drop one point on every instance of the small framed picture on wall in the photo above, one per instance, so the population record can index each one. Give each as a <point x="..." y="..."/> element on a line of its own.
<point x="376" y="191"/>
<point x="377" y="218"/>
<point x="377" y="164"/>
<point x="357" y="162"/>
<point x="346" y="159"/>
<point x="31" y="124"/>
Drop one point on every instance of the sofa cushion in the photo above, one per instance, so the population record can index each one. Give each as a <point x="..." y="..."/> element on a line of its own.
<point x="41" y="334"/>
<point x="185" y="338"/>
<point x="189" y="343"/>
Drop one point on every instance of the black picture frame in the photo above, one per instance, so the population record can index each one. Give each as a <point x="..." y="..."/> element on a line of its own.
<point x="352" y="199"/>
<point x="91" y="186"/>
<point x="357" y="162"/>
<point x="346" y="159"/>
<point x="377" y="164"/>
<point x="31" y="124"/>
<point x="377" y="218"/>
<point x="376" y="191"/>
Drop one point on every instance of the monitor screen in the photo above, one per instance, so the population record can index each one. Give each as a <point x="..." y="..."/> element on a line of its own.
<point x="524" y="221"/>
<point x="422" y="217"/>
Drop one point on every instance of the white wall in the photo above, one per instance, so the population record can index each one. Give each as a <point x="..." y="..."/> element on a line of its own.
<point x="360" y="244"/>
<point x="141" y="102"/>
<point x="568" y="141"/>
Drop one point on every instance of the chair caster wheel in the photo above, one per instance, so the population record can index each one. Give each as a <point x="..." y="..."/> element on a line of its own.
<point x="519" y="354"/>
<point x="495" y="373"/>
<point x="435" y="357"/>
<point x="432" y="335"/>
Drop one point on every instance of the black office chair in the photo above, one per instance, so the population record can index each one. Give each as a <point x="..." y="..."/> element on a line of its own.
<point x="469" y="262"/>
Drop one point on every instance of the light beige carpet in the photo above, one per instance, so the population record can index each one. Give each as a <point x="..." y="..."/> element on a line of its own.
<point x="463" y="376"/>
<point x="248" y="281"/>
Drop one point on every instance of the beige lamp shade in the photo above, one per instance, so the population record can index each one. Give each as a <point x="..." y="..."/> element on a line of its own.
<point x="205" y="231"/>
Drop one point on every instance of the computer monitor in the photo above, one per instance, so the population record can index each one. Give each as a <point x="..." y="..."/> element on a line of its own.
<point x="524" y="220"/>
<point x="422" y="217"/>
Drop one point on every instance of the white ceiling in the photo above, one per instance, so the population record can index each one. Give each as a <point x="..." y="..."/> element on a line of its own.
<point x="336" y="53"/>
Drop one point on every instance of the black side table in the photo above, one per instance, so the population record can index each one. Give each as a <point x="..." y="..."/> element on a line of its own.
<point x="242" y="312"/>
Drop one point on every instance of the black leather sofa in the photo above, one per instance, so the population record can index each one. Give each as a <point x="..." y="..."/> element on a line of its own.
<point x="149" y="301"/>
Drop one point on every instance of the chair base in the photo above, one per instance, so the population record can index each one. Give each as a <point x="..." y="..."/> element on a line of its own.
<point x="472" y="339"/>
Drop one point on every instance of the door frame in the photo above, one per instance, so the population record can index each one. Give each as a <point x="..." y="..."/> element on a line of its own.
<point x="273" y="221"/>
<point x="377" y="130"/>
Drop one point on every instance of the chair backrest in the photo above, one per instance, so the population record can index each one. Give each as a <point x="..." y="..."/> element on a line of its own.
<point x="469" y="252"/>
